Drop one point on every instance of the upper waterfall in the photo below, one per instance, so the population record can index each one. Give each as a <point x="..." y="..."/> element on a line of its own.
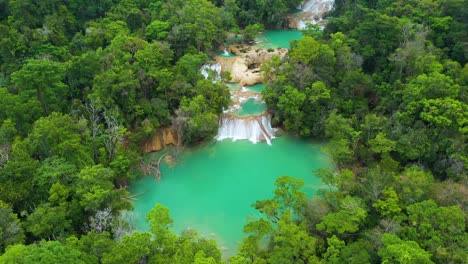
<point x="213" y="70"/>
<point x="313" y="12"/>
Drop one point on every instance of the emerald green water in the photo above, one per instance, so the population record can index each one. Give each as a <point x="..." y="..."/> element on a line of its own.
<point x="295" y="11"/>
<point x="251" y="107"/>
<point x="213" y="186"/>
<point x="278" y="38"/>
<point x="233" y="85"/>
<point x="228" y="55"/>
<point x="256" y="87"/>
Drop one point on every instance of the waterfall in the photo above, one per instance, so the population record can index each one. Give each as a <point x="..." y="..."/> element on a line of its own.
<point x="315" y="10"/>
<point x="226" y="53"/>
<point x="232" y="125"/>
<point x="253" y="128"/>
<point x="317" y="6"/>
<point x="208" y="70"/>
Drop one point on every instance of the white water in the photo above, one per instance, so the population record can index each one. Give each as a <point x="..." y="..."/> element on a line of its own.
<point x="315" y="10"/>
<point x="253" y="128"/>
<point x="213" y="70"/>
<point x="226" y="53"/>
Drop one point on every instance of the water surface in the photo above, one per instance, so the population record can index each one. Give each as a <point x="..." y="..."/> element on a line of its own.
<point x="213" y="186"/>
<point x="232" y="85"/>
<point x="251" y="107"/>
<point x="258" y="88"/>
<point x="225" y="54"/>
<point x="278" y="38"/>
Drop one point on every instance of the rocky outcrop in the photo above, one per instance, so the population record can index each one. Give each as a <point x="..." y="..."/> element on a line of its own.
<point x="165" y="137"/>
<point x="245" y="67"/>
<point x="169" y="137"/>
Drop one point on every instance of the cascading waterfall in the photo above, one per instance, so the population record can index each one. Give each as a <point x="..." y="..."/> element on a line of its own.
<point x="315" y="10"/>
<point x="213" y="70"/>
<point x="253" y="128"/>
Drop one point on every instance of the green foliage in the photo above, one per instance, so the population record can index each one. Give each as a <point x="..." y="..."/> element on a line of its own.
<point x="95" y="189"/>
<point x="290" y="104"/>
<point x="292" y="244"/>
<point x="288" y="199"/>
<point x="284" y="229"/>
<point x="198" y="25"/>
<point x="59" y="135"/>
<point x="269" y="13"/>
<point x="347" y="219"/>
<point x="440" y="230"/>
<point x="43" y="80"/>
<point x="130" y="250"/>
<point x="389" y="205"/>
<point x="396" y="250"/>
<point x="251" y="32"/>
<point x="413" y="185"/>
<point x="83" y="84"/>
<point x="43" y="252"/>
<point x="48" y="222"/>
<point x="157" y="30"/>
<point x="201" y="122"/>
<point x="11" y="231"/>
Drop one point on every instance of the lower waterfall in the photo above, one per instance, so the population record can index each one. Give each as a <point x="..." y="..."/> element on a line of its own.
<point x="253" y="128"/>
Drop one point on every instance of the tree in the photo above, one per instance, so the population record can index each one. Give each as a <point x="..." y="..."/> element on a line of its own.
<point x="53" y="252"/>
<point x="348" y="219"/>
<point x="95" y="245"/>
<point x="288" y="199"/>
<point x="15" y="254"/>
<point x="132" y="249"/>
<point x="43" y="79"/>
<point x="306" y="50"/>
<point x="396" y="250"/>
<point x="270" y="13"/>
<point x="292" y="244"/>
<point x="284" y="227"/>
<point x="335" y="245"/>
<point x="160" y="222"/>
<point x="343" y="136"/>
<point x="11" y="231"/>
<point x="48" y="222"/>
<point x="157" y="30"/>
<point x="389" y="205"/>
<point x="201" y="122"/>
<point x="16" y="183"/>
<point x="252" y="31"/>
<point x="440" y="230"/>
<point x="198" y="26"/>
<point x="95" y="190"/>
<point x="21" y="109"/>
<point x="413" y="185"/>
<point x="291" y="103"/>
<point x="59" y="135"/>
<point x="80" y="72"/>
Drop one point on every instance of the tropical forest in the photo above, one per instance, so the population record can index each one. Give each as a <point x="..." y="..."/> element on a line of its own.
<point x="233" y="131"/>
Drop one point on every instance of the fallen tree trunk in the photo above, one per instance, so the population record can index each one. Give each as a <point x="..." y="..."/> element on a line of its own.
<point x="153" y="167"/>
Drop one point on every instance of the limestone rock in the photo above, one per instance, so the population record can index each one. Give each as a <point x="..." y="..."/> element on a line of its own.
<point x="245" y="67"/>
<point x="167" y="136"/>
